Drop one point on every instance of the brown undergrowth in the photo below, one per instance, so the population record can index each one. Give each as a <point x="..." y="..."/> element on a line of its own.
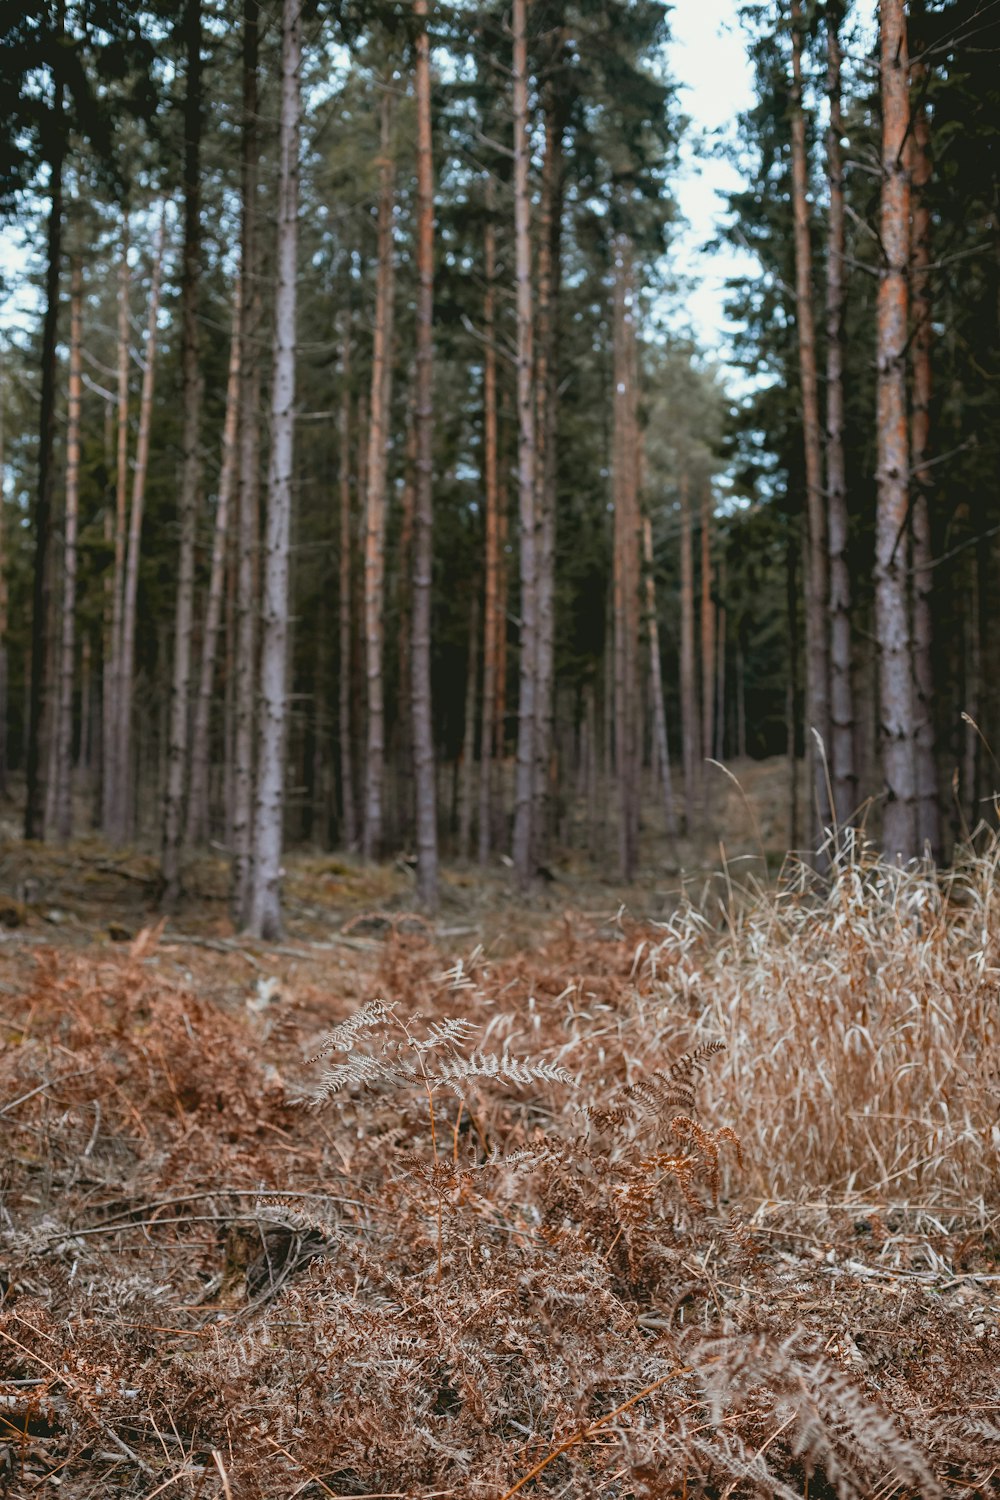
<point x="700" y="1208"/>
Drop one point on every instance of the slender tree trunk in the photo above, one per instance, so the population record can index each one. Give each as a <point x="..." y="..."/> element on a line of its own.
<point x="656" y="678"/>
<point x="198" y="792"/>
<point x="38" y="727"/>
<point x="493" y="624"/>
<point x="248" y="484"/>
<point x="625" y="582"/>
<point x="707" y="627"/>
<point x="4" y="599"/>
<point x="546" y="426"/>
<point x="375" y="509"/>
<point x="120" y="820"/>
<point x="469" y="737"/>
<point x="843" y="769"/>
<point x="190" y="483"/>
<point x="110" y="755"/>
<point x="690" y="732"/>
<point x="526" y="712"/>
<point x="792" y="553"/>
<point x="500" y="712"/>
<point x="899" y="832"/>
<point x="265" y="903"/>
<point x="423" y="724"/>
<point x="67" y="643"/>
<point x="919" y="147"/>
<point x="720" y="665"/>
<point x="403" y="749"/>
<point x="345" y="599"/>
<point x="816" y="586"/>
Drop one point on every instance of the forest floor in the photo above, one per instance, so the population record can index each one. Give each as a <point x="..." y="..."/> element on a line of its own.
<point x="508" y="1236"/>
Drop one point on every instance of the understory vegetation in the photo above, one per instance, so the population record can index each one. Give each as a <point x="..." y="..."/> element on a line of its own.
<point x="704" y="1206"/>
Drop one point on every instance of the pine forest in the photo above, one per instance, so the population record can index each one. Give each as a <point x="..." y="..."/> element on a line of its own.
<point x="499" y="768"/>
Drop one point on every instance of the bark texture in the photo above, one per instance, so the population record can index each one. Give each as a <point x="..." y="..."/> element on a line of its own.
<point x="67" y="632"/>
<point x="423" y="728"/>
<point x="190" y="485"/>
<point x="523" y="843"/>
<point x="345" y="625"/>
<point x="121" y="812"/>
<point x="376" y="499"/>
<point x="899" y="829"/>
<point x="198" y="809"/>
<point x="843" y="770"/>
<point x="248" y="496"/>
<point x="656" y="678"/>
<point x="265" y="904"/>
<point x="816" y="588"/>
<point x="690" y="732"/>
<point x="919" y="147"/>
<point x="493" y="623"/>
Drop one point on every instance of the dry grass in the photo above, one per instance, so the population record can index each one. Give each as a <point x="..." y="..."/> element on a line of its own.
<point x="766" y="1269"/>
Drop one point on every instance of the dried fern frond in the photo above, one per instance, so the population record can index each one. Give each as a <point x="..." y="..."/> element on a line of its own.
<point x="341" y="1038"/>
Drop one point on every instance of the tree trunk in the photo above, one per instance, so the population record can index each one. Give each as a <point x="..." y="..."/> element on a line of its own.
<point x="899" y="831"/>
<point x="493" y="624"/>
<point x="843" y="769"/>
<point x="198" y="792"/>
<point x="265" y="902"/>
<point x="120" y="819"/>
<point x="816" y="586"/>
<point x="469" y="737"/>
<point x="690" y="732"/>
<point x="919" y="148"/>
<point x="67" y="643"/>
<point x="720" y="665"/>
<point x="4" y="599"/>
<point x="656" y="678"/>
<point x="423" y="724"/>
<point x="625" y="581"/>
<point x="546" y="424"/>
<point x="248" y="492"/>
<point x="111" y="751"/>
<point x="707" y="628"/>
<point x="375" y="508"/>
<point x="526" y="711"/>
<point x="345" y="610"/>
<point x="38" y="726"/>
<point x="190" y="484"/>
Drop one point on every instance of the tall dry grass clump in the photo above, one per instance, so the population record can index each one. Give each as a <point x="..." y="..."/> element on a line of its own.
<point x="860" y="1018"/>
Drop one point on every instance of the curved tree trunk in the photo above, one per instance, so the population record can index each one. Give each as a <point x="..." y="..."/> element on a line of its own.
<point x="265" y="902"/>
